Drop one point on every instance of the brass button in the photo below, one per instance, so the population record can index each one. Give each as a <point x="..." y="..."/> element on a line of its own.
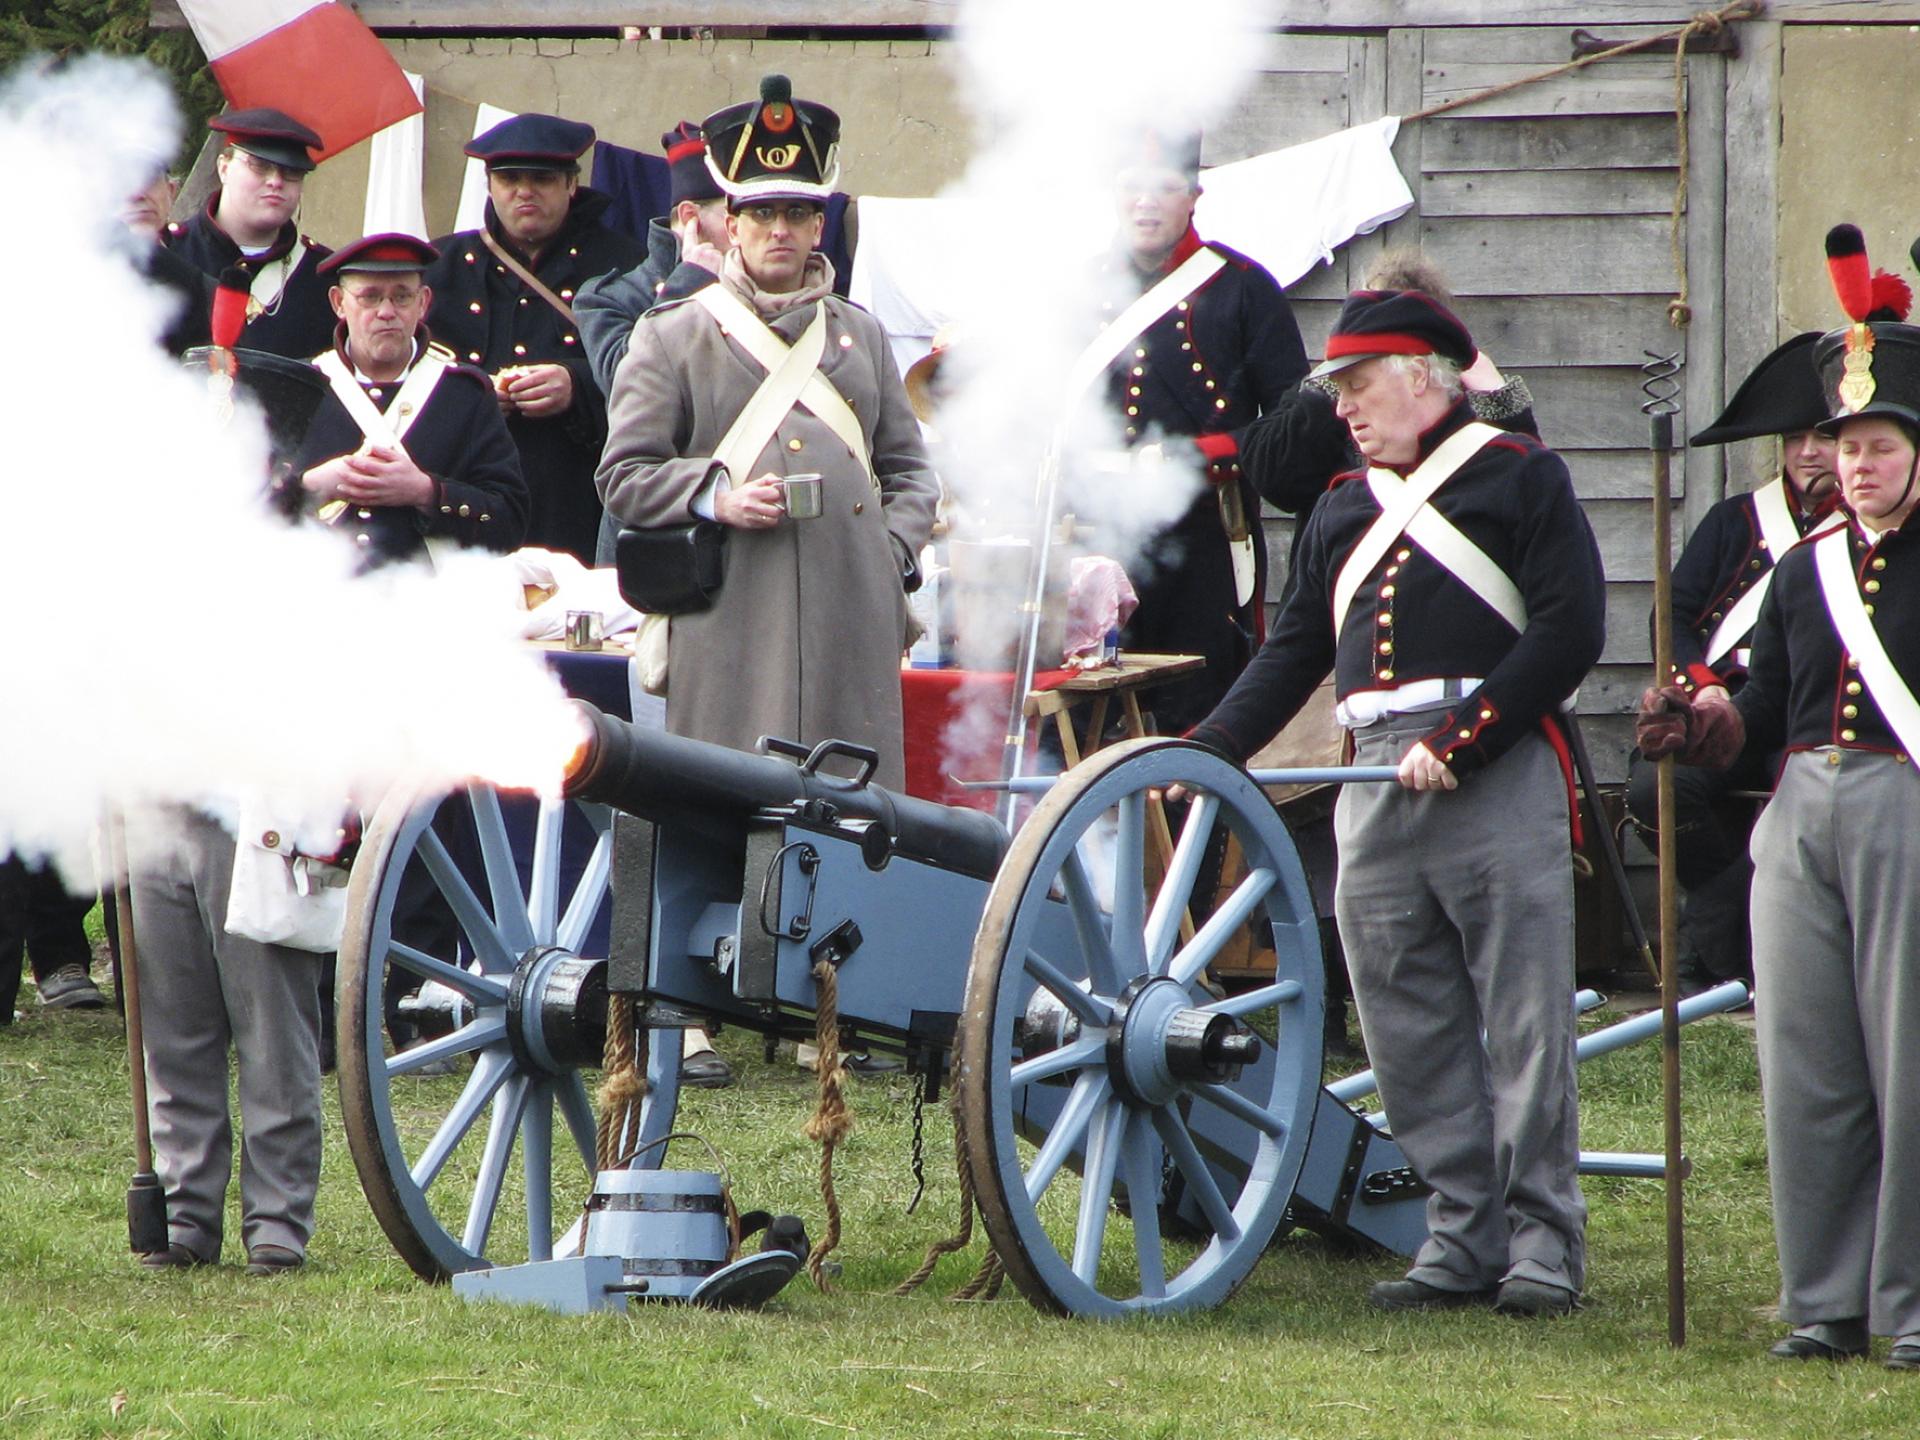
<point x="794" y="444"/>
<point x="1392" y="570"/>
<point x="271" y="840"/>
<point x="1133" y="392"/>
<point x="1753" y="564"/>
<point x="1386" y="647"/>
<point x="566" y="339"/>
<point x="474" y="356"/>
<point x="1133" y="409"/>
<point x="366" y="514"/>
<point x="1386" y="592"/>
<point x="846" y="342"/>
<point x="519" y="349"/>
<point x="1197" y="367"/>
<point x="1849" y="712"/>
<point x="1486" y="714"/>
<point x="1218" y="404"/>
<point x="362" y="539"/>
<point x="1848" y="736"/>
<point x="1879" y="562"/>
<point x="1210" y="386"/>
<point x="1466" y="734"/>
<point x="474" y="307"/>
<point x="484" y="518"/>
<point x="1763" y="544"/>
<point x="1868" y="607"/>
<point x="1900" y="757"/>
<point x="1186" y="345"/>
<point x="1833" y="757"/>
<point x="1141" y="353"/>
<point x="1852" y="664"/>
<point x="1386" y="619"/>
<point x="1386" y="674"/>
<point x="1139" y="370"/>
<point x="1872" y="587"/>
<point x="1183" y="305"/>
<point x="566" y="294"/>
<point x="465" y="511"/>
<point x="859" y="507"/>
<point x="446" y="509"/>
<point x="1853" y="687"/>
<point x="1403" y="555"/>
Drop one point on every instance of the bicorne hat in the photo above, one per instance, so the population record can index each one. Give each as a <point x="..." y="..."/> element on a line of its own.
<point x="1374" y="323"/>
<point x="774" y="148"/>
<point x="1782" y="396"/>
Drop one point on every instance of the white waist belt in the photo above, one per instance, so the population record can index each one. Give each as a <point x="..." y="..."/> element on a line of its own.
<point x="1364" y="707"/>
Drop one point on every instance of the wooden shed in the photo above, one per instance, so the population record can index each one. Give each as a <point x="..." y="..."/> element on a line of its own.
<point x="1552" y="204"/>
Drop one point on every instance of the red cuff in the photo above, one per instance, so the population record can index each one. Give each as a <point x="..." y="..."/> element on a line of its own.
<point x="1702" y="677"/>
<point x="1218" y="447"/>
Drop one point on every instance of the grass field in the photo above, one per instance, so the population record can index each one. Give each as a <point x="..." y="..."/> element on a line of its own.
<point x="354" y="1345"/>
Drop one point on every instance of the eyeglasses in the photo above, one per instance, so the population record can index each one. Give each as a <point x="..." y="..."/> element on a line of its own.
<point x="266" y="169"/>
<point x="373" y="299"/>
<point x="796" y="214"/>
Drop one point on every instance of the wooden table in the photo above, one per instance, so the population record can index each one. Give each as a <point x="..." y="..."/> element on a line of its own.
<point x="1096" y="689"/>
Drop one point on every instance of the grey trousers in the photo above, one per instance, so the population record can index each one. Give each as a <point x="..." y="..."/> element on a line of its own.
<point x="201" y="992"/>
<point x="1456" y="911"/>
<point x="1836" y="932"/>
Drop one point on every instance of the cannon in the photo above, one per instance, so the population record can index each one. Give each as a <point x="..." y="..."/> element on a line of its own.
<point x="1134" y="1139"/>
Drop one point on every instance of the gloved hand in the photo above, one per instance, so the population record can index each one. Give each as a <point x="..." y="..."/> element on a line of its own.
<point x="1705" y="730"/>
<point x="1660" y="728"/>
<point x="1716" y="733"/>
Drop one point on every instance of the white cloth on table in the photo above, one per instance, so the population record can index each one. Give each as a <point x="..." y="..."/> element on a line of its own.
<point x="575" y="587"/>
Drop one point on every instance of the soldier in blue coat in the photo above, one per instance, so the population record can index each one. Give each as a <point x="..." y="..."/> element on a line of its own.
<point x="1718" y="585"/>
<point x="504" y="303"/>
<point x="410" y="445"/>
<point x="249" y="235"/>
<point x="1201" y="370"/>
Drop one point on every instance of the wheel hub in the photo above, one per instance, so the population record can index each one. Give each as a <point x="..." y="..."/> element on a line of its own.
<point x="557" y="1011"/>
<point x="1158" y="1043"/>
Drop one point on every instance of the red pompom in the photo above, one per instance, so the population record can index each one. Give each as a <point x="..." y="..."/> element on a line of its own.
<point x="1892" y="297"/>
<point x="1847" y="264"/>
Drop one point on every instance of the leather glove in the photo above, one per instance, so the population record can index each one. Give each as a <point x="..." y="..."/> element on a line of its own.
<point x="1715" y="734"/>
<point x="1660" y="729"/>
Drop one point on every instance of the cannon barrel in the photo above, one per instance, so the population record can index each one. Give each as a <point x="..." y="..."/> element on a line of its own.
<point x="675" y="781"/>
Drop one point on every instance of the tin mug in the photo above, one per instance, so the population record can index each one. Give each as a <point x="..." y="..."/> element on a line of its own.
<point x="802" y="496"/>
<point x="584" y="629"/>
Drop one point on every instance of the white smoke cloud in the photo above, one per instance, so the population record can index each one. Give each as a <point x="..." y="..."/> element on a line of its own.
<point x="165" y="638"/>
<point x="1061" y="91"/>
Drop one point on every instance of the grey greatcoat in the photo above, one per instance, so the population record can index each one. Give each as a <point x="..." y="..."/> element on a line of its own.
<point x="804" y="639"/>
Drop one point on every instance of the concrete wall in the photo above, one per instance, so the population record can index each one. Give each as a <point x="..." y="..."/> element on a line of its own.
<point x="904" y="132"/>
<point x="1850" y="148"/>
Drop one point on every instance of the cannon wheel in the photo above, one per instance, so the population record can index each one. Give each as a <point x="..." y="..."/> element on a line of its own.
<point x="1056" y="1130"/>
<point x="438" y="1178"/>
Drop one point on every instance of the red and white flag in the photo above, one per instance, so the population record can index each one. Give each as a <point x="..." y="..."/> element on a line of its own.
<point x="312" y="59"/>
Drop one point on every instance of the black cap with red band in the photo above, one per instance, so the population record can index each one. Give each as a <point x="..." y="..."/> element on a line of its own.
<point x="1374" y="323"/>
<point x="686" y="151"/>
<point x="387" y="253"/>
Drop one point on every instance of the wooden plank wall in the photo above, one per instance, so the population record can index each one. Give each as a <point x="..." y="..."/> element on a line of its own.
<point x="1549" y="209"/>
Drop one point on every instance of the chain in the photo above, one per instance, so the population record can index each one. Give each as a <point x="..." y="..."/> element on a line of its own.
<point x="918" y="1146"/>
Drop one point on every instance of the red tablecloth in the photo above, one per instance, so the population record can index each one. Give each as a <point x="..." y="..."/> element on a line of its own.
<point x="956" y="726"/>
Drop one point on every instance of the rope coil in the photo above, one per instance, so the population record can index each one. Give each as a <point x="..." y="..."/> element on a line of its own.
<point x="832" y="1121"/>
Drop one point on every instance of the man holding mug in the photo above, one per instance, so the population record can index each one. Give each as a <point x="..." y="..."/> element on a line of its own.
<point x="727" y="398"/>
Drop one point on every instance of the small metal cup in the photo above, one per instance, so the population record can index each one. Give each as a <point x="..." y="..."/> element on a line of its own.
<point x="802" y="496"/>
<point x="585" y="629"/>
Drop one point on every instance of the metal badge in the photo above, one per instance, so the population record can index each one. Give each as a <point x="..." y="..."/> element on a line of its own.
<point x="1857" y="385"/>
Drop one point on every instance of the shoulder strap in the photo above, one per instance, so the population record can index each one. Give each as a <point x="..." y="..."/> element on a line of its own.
<point x="1849" y="613"/>
<point x="766" y="347"/>
<point x="531" y="280"/>
<point x="1130" y="323"/>
<point x="1397" y="512"/>
<point x="1781" y="534"/>
<point x="754" y="426"/>
<point x="389" y="427"/>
